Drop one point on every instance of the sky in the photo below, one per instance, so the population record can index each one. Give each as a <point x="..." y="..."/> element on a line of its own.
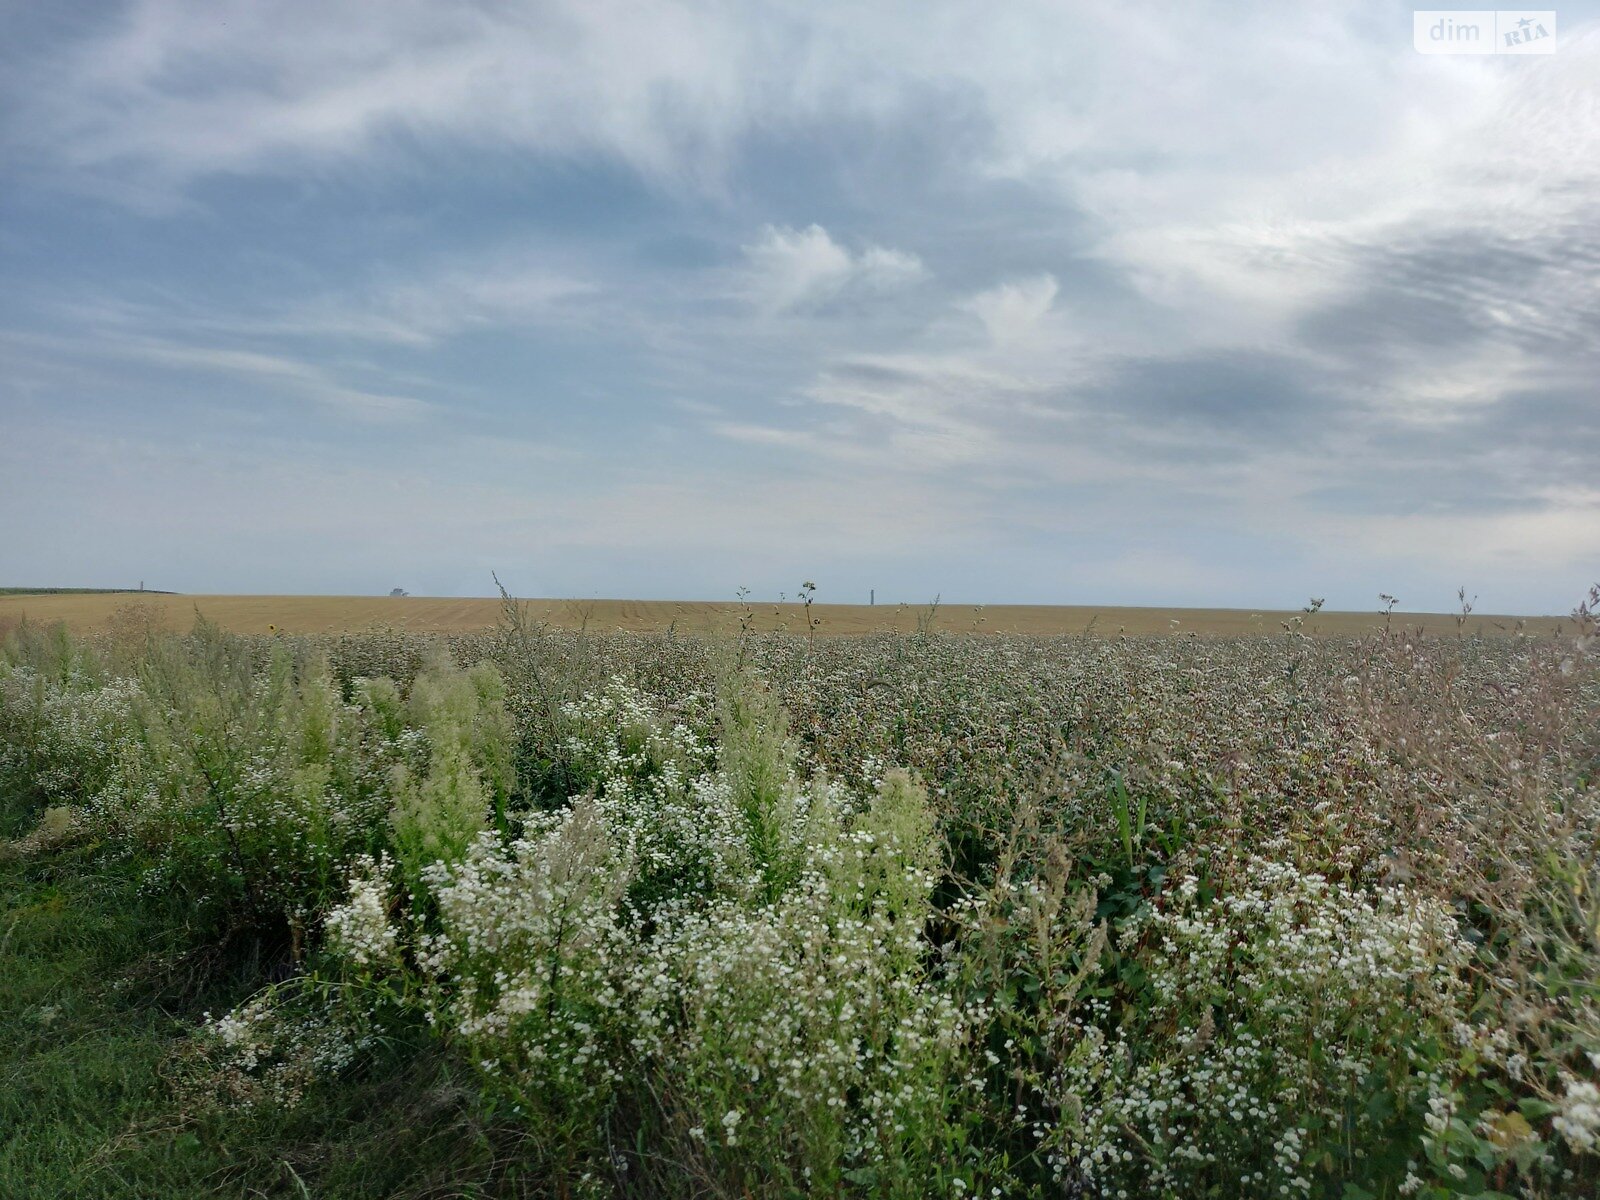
<point x="1142" y="303"/>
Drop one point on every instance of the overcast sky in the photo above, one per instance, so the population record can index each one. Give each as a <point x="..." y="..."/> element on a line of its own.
<point x="1179" y="303"/>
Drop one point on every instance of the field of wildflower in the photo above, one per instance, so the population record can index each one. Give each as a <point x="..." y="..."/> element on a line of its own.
<point x="544" y="913"/>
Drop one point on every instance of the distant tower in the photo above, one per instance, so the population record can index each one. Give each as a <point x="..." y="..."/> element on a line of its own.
<point x="873" y="597"/>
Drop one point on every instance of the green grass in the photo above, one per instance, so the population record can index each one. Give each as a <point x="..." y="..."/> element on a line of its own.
<point x="83" y="1108"/>
<point x="96" y="1006"/>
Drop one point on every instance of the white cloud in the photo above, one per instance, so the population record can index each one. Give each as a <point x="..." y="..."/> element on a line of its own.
<point x="1011" y="311"/>
<point x="1564" y="530"/>
<point x="882" y="268"/>
<point x="97" y="356"/>
<point x="439" y="300"/>
<point x="417" y="305"/>
<point x="1477" y="193"/>
<point x="174" y="90"/>
<point x="302" y="379"/>
<point x="789" y="269"/>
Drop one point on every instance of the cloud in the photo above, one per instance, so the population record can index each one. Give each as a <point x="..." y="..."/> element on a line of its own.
<point x="98" y="361"/>
<point x="435" y="302"/>
<point x="303" y="379"/>
<point x="1451" y="261"/>
<point x="1012" y="311"/>
<point x="1158" y="271"/>
<point x="792" y="269"/>
<point x="177" y="90"/>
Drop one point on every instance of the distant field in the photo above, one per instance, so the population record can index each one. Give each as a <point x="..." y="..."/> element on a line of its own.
<point x="337" y="614"/>
<point x="68" y="591"/>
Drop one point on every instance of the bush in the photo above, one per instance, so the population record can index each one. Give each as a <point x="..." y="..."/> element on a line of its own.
<point x="886" y="917"/>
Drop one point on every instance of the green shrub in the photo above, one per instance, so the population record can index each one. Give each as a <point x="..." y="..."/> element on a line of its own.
<point x="1330" y="930"/>
<point x="1268" y="1032"/>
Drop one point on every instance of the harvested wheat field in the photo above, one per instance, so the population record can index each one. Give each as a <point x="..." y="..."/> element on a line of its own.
<point x="419" y="614"/>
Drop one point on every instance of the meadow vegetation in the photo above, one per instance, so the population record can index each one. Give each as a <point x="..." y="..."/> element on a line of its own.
<point x="533" y="912"/>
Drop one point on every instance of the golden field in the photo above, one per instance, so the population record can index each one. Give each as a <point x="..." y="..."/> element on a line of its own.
<point x="419" y="614"/>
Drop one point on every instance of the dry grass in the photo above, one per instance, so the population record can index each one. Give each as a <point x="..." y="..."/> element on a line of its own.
<point x="340" y="614"/>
